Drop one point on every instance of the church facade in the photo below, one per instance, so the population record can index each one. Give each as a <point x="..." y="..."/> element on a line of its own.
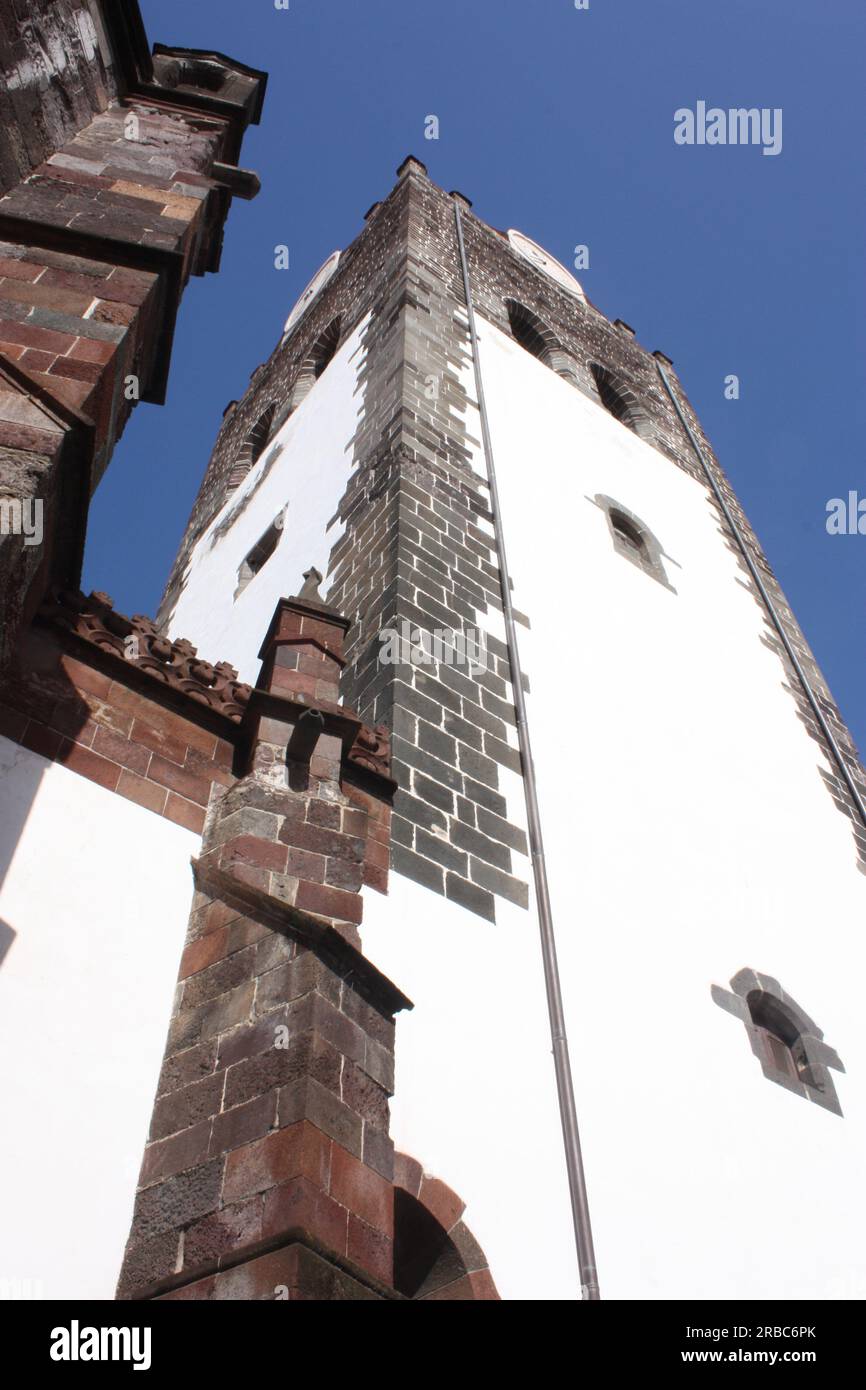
<point x="467" y="632"/>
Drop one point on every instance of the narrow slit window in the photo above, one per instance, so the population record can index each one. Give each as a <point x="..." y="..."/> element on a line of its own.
<point x="260" y="554"/>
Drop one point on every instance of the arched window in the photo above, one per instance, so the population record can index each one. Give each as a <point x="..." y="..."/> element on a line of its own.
<point x="620" y="401"/>
<point x="788" y="1044"/>
<point x="315" y="363"/>
<point x="325" y="346"/>
<point x="533" y="334"/>
<point x="260" y="434"/>
<point x="252" y="447"/>
<point x="530" y="332"/>
<point x="634" y="540"/>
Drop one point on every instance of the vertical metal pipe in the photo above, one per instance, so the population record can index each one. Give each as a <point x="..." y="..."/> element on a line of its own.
<point x="836" y="751"/>
<point x="561" y="1061"/>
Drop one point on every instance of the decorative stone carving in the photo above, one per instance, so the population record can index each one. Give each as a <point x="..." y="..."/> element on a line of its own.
<point x="372" y="749"/>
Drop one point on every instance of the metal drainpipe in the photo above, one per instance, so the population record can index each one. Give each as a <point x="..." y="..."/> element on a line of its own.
<point x="768" y="602"/>
<point x="562" y="1064"/>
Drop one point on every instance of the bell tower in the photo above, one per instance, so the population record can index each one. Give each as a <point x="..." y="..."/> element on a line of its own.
<point x="701" y="803"/>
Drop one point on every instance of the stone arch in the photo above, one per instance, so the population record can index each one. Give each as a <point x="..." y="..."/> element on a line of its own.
<point x="314" y="364"/>
<point x="436" y="1257"/>
<point x="533" y="334"/>
<point x="620" y="401"/>
<point x="253" y="447"/>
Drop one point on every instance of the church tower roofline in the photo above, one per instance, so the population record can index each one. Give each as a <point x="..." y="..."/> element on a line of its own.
<point x="349" y="286"/>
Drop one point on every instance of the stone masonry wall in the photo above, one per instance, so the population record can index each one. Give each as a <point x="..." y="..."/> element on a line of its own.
<point x="55" y="75"/>
<point x="271" y="1120"/>
<point x="98" y="718"/>
<point x="418" y="548"/>
<point x="412" y="487"/>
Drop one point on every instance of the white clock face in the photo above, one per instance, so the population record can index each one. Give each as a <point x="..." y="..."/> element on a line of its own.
<point x="525" y="246"/>
<point x="318" y="282"/>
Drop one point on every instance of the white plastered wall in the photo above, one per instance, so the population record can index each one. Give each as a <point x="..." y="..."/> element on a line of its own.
<point x="94" y="908"/>
<point x="688" y="834"/>
<point x="308" y="478"/>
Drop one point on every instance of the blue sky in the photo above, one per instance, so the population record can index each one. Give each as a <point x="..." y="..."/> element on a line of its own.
<point x="559" y="122"/>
